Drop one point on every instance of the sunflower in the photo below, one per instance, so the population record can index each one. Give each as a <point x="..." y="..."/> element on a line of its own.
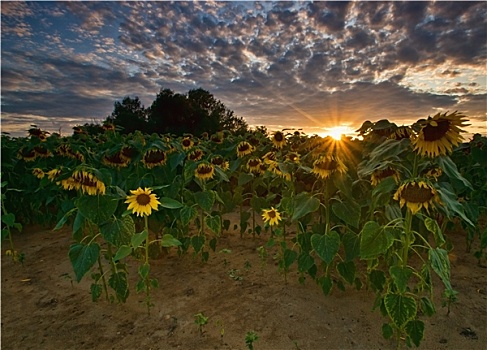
<point x="38" y="173"/>
<point x="402" y="132"/>
<point x="70" y="183"/>
<point x="439" y="134"/>
<point x="217" y="138"/>
<point x="196" y="155"/>
<point x="269" y="157"/>
<point x="154" y="157"/>
<point x="278" y="139"/>
<point x="380" y="174"/>
<point x="254" y="164"/>
<point x="88" y="183"/>
<point x="127" y="153"/>
<point x="42" y="152"/>
<point x="434" y="173"/>
<point x="220" y="162"/>
<point x="416" y="194"/>
<point x="244" y="148"/>
<point x="142" y="201"/>
<point x="26" y="155"/>
<point x="53" y="174"/>
<point x="325" y="166"/>
<point x="116" y="160"/>
<point x="274" y="168"/>
<point x="205" y="171"/>
<point x="292" y="157"/>
<point x="271" y="216"/>
<point x="187" y="143"/>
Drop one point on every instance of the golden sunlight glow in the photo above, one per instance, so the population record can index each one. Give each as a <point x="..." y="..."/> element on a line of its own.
<point x="337" y="131"/>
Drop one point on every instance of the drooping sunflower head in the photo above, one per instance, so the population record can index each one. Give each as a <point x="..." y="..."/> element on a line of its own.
<point x="42" y="152"/>
<point x="271" y="216"/>
<point x="196" y="155"/>
<point x="292" y="157"/>
<point x="217" y="138"/>
<point x="417" y="194"/>
<point x="142" y="201"/>
<point x="127" y="153"/>
<point x="53" y="174"/>
<point x="269" y="157"/>
<point x="115" y="160"/>
<point x="244" y="148"/>
<point x="325" y="166"/>
<point x="37" y="172"/>
<point x="204" y="171"/>
<point x="28" y="155"/>
<point x="220" y="162"/>
<point x="253" y="164"/>
<point x="380" y="174"/>
<point x="433" y="172"/>
<point x="187" y="143"/>
<point x="439" y="134"/>
<point x="278" y="139"/>
<point x="154" y="157"/>
<point x="402" y="132"/>
<point x="88" y="182"/>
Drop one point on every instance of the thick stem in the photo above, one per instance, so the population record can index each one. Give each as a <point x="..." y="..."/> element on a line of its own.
<point x="407" y="237"/>
<point x="105" y="288"/>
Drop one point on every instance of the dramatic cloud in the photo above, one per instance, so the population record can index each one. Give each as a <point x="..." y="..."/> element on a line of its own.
<point x="280" y="64"/>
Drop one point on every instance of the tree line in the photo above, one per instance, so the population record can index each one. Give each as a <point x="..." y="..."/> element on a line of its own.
<point x="196" y="112"/>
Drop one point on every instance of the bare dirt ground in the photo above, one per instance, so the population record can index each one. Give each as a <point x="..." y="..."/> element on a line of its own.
<point x="42" y="308"/>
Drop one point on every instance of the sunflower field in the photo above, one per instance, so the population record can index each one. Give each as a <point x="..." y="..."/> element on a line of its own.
<point x="367" y="213"/>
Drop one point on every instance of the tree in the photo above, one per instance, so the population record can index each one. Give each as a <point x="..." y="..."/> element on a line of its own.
<point x="130" y="115"/>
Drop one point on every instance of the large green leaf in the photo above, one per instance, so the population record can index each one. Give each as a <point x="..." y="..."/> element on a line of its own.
<point x="347" y="271"/>
<point x="197" y="242"/>
<point x="205" y="199"/>
<point x="118" y="231"/>
<point x="374" y="240"/>
<point x="348" y="211"/>
<point x="441" y="265"/>
<point x="137" y="239"/>
<point x="170" y="203"/>
<point x="9" y="220"/>
<point x="433" y="227"/>
<point x="400" y="276"/>
<point x="415" y="330"/>
<point x="244" y="178"/>
<point x="326" y="246"/>
<point x="97" y="209"/>
<point x="214" y="223"/>
<point x="305" y="262"/>
<point x="289" y="257"/>
<point x="83" y="257"/>
<point x="377" y="280"/>
<point x="451" y="170"/>
<point x="119" y="283"/>
<point x="401" y="308"/>
<point x="187" y="214"/>
<point x="169" y="241"/>
<point x="304" y="204"/>
<point x="451" y="203"/>
<point x="351" y="244"/>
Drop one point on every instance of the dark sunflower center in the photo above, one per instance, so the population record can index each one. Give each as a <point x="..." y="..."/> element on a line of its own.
<point x="128" y="152"/>
<point x="434" y="133"/>
<point x="143" y="199"/>
<point x="115" y="159"/>
<point x="243" y="148"/>
<point x="217" y="161"/>
<point x="413" y="193"/>
<point x="382" y="174"/>
<point x="195" y="155"/>
<point x="186" y="143"/>
<point x="327" y="164"/>
<point x="205" y="169"/>
<point x="272" y="214"/>
<point x="278" y="137"/>
<point x="40" y="150"/>
<point x="254" y="162"/>
<point x="155" y="157"/>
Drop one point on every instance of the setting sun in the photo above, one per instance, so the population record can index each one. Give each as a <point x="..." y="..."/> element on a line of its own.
<point x="337" y="131"/>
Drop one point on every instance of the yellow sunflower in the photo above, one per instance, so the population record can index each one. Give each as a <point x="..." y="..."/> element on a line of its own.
<point x="187" y="143"/>
<point x="379" y="175"/>
<point x="278" y="139"/>
<point x="244" y="148"/>
<point x="325" y="166"/>
<point x="416" y="195"/>
<point x="142" y="201"/>
<point x="253" y="165"/>
<point x="127" y="153"/>
<point x="219" y="161"/>
<point x="402" y="132"/>
<point x="42" y="152"/>
<point x="205" y="171"/>
<point x="38" y="173"/>
<point x="269" y="157"/>
<point x="439" y="134"/>
<point x="26" y="155"/>
<point x="271" y="216"/>
<point x="70" y="184"/>
<point x="434" y="173"/>
<point x="196" y="155"/>
<point x="53" y="174"/>
<point x="292" y="157"/>
<point x="116" y="160"/>
<point x="154" y="157"/>
<point x="88" y="183"/>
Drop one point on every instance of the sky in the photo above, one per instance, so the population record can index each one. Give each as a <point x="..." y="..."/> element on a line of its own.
<point x="308" y="65"/>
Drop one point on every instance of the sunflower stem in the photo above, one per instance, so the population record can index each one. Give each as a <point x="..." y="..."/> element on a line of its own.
<point x="146" y="279"/>
<point x="407" y="237"/>
<point x="105" y="288"/>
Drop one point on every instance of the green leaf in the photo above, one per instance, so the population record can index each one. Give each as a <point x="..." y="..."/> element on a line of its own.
<point x="170" y="203"/>
<point x="401" y="308"/>
<point x="117" y="231"/>
<point x="427" y="306"/>
<point x="78" y="224"/>
<point x="97" y="209"/>
<point x="245" y="178"/>
<point x="451" y="204"/>
<point x="119" y="283"/>
<point x="400" y="276"/>
<point x="451" y="170"/>
<point x="377" y="280"/>
<point x="187" y="214"/>
<point x="289" y="257"/>
<point x="433" y="227"/>
<point x="326" y="283"/>
<point x="304" y="204"/>
<point x="415" y="330"/>
<point x="214" y="223"/>
<point x="305" y="262"/>
<point x="5" y="233"/>
<point x="197" y="242"/>
<point x="122" y="252"/>
<point x="137" y="239"/>
<point x="83" y="257"/>
<point x="9" y="219"/>
<point x="326" y="246"/>
<point x="61" y="222"/>
<point x="374" y="240"/>
<point x="347" y="271"/>
<point x="348" y="211"/>
<point x="440" y="263"/>
<point x="351" y="244"/>
<point x="169" y="241"/>
<point x="205" y="199"/>
<point x="258" y="203"/>
<point x="144" y="270"/>
<point x="387" y="331"/>
<point x="96" y="291"/>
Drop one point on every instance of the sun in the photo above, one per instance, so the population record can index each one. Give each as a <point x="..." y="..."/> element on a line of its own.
<point x="337" y="131"/>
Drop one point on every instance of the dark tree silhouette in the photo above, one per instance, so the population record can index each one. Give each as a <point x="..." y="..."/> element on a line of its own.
<point x="130" y="115"/>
